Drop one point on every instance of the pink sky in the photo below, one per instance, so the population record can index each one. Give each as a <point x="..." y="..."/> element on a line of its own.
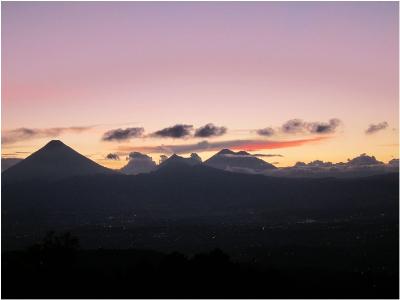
<point x="241" y="65"/>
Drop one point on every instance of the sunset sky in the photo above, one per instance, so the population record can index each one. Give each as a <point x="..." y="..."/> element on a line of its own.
<point x="75" y="71"/>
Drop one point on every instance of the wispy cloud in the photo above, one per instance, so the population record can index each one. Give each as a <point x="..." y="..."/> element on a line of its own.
<point x="268" y="155"/>
<point x="266" y="131"/>
<point x="112" y="156"/>
<point x="376" y="127"/>
<point x="248" y="145"/>
<point x="298" y="125"/>
<point x="16" y="153"/>
<point x="295" y="126"/>
<point x="22" y="134"/>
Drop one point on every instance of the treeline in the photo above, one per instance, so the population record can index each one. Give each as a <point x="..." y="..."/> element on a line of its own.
<point x="57" y="268"/>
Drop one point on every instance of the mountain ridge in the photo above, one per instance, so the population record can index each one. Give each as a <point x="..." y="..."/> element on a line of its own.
<point x="240" y="161"/>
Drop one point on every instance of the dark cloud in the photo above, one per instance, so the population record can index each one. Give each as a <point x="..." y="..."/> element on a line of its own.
<point x="376" y="127"/>
<point x="210" y="130"/>
<point x="22" y="134"/>
<point x="112" y="156"/>
<point x="249" y="145"/>
<point x="176" y="131"/>
<point x="138" y="163"/>
<point x="320" y="163"/>
<point x="315" y="163"/>
<point x="321" y="128"/>
<point x="363" y="160"/>
<point x="123" y="134"/>
<point x="137" y="155"/>
<point x="298" y="126"/>
<point x="293" y="126"/>
<point x="266" y="131"/>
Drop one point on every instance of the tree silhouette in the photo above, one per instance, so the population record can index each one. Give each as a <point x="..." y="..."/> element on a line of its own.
<point x="54" y="251"/>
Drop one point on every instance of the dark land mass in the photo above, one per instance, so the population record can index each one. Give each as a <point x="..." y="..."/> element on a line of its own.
<point x="279" y="237"/>
<point x="56" y="268"/>
<point x="190" y="194"/>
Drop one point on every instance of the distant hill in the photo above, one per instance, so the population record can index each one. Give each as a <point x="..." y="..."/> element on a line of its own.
<point x="52" y="162"/>
<point x="242" y="162"/>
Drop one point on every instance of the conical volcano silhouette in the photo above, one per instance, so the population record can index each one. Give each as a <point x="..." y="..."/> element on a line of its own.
<point x="54" y="161"/>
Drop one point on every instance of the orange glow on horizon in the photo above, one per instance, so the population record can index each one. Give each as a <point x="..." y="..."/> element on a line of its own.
<point x="276" y="144"/>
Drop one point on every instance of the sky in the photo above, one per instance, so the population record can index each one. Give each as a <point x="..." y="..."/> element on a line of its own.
<point x="79" y="71"/>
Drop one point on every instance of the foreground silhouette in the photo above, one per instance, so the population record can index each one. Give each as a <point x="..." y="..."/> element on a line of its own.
<point x="57" y="268"/>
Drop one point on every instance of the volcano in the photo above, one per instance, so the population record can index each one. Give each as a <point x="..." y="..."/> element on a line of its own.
<point x="52" y="162"/>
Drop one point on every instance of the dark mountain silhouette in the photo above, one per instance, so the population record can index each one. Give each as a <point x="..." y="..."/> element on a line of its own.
<point x="52" y="162"/>
<point x="240" y="161"/>
<point x="176" y="162"/>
